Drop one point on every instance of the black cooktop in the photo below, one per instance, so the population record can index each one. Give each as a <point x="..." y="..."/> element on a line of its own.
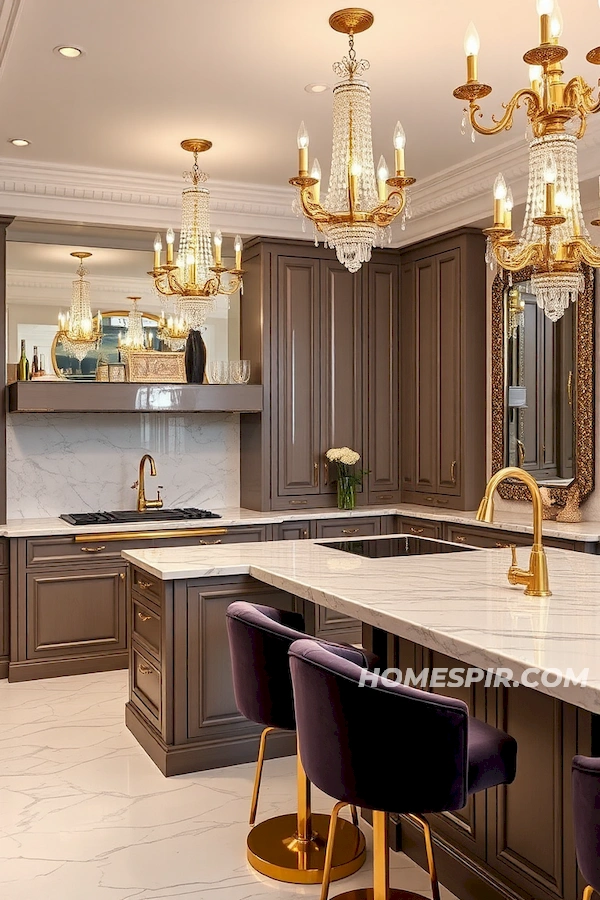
<point x="123" y="516"/>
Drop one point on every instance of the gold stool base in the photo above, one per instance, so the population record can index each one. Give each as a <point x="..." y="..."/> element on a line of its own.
<point x="368" y="894"/>
<point x="273" y="850"/>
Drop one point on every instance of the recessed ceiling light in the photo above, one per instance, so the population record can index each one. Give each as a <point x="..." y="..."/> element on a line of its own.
<point x="316" y="88"/>
<point x="19" y="142"/>
<point x="69" y="52"/>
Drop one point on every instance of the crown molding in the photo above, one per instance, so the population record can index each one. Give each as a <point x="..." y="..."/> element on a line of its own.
<point x="457" y="196"/>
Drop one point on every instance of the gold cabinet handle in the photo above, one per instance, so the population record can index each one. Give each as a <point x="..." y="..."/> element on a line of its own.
<point x="92" y="549"/>
<point x="145" y="585"/>
<point x="429" y="499"/>
<point x="122" y="576"/>
<point x="416" y="530"/>
<point x="298" y="502"/>
<point x="315" y="474"/>
<point x="144" y="670"/>
<point x="570" y="388"/>
<point x="453" y="471"/>
<point x="384" y="497"/>
<point x="205" y="543"/>
<point x="350" y="530"/>
<point x="142" y="617"/>
<point x="305" y="533"/>
<point x="439" y="500"/>
<point x="505" y="546"/>
<point x="460" y="539"/>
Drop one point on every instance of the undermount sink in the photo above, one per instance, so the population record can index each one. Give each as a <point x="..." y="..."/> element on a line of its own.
<point x="403" y="545"/>
<point x="123" y="516"/>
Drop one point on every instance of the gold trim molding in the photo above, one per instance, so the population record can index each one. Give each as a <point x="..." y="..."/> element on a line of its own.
<point x="584" y="387"/>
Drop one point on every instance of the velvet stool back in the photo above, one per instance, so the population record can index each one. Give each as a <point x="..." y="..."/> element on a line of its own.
<point x="586" y="820"/>
<point x="441" y="755"/>
<point x="291" y="847"/>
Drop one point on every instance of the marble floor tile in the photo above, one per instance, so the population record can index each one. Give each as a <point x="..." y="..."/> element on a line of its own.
<point x="84" y="813"/>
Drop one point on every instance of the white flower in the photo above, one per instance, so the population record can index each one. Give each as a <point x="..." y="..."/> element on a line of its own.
<point x="343" y="455"/>
<point x="333" y="455"/>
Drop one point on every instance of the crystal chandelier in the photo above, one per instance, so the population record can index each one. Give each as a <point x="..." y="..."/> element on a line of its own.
<point x="195" y="278"/>
<point x="173" y="330"/>
<point x="135" y="336"/>
<point x="358" y="210"/>
<point x="554" y="240"/>
<point x="78" y="332"/>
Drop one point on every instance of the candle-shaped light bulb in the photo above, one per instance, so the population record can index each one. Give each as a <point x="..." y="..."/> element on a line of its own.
<point x="508" y="208"/>
<point x="383" y="173"/>
<point x="550" y="175"/>
<point x="399" y="145"/>
<point x="544" y="7"/>
<point x="500" y="192"/>
<point x="170" y="242"/>
<point x="556" y="22"/>
<point x="99" y="321"/>
<point x="315" y="172"/>
<point x="550" y="172"/>
<point x="535" y="77"/>
<point x="302" y="149"/>
<point x="238" y="246"/>
<point x="472" y="45"/>
<point x="157" y="251"/>
<point x="218" y="241"/>
<point x="544" y="10"/>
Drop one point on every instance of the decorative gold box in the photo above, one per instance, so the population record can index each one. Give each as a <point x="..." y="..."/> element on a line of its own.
<point x="154" y="366"/>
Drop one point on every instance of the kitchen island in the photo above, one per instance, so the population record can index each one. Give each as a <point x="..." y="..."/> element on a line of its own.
<point x="420" y="612"/>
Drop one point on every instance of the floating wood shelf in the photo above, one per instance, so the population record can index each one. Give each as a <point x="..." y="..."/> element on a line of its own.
<point x="96" y="397"/>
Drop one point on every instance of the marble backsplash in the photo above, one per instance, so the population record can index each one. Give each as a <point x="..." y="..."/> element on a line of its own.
<point x="76" y="463"/>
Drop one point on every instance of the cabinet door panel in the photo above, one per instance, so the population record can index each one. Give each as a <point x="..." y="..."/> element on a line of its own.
<point x="450" y="373"/>
<point x="382" y="401"/>
<point x="71" y="613"/>
<point x="408" y="379"/>
<point x="293" y="531"/>
<point x="4" y="616"/>
<point x="296" y="433"/>
<point x="341" y="365"/>
<point x="427" y="375"/>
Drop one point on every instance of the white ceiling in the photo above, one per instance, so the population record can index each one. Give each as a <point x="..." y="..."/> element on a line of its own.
<point x="234" y="71"/>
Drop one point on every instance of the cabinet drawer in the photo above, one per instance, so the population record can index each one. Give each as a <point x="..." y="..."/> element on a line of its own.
<point x="485" y="538"/>
<point x="293" y="531"/>
<point x="146" y="628"/>
<point x="420" y="527"/>
<point x="146" y="686"/>
<point x="235" y="535"/>
<point x="348" y="527"/>
<point x="147" y="585"/>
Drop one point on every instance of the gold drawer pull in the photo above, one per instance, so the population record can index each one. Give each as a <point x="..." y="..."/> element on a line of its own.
<point x="122" y="576"/>
<point x="504" y="546"/>
<point x="429" y="499"/>
<point x="92" y="549"/>
<point x="305" y="533"/>
<point x="453" y="472"/>
<point x="298" y="502"/>
<point x="145" y="585"/>
<point x="460" y="539"/>
<point x="350" y="530"/>
<point x="204" y="543"/>
<point x="416" y="530"/>
<point x="384" y="496"/>
<point x="439" y="500"/>
<point x="144" y="670"/>
<point x="142" y="617"/>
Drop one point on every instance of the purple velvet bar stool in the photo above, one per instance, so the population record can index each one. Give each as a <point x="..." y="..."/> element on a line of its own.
<point x="292" y="847"/>
<point x="391" y="749"/>
<point x="586" y="819"/>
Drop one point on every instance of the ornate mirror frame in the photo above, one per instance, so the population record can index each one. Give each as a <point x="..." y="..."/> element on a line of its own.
<point x="584" y="387"/>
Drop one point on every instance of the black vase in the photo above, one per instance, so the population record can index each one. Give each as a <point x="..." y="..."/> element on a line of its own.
<point x="195" y="358"/>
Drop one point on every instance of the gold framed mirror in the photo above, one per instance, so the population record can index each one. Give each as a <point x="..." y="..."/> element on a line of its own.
<point x="542" y="389"/>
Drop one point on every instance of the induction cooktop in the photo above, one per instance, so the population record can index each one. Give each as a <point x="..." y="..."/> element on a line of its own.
<point x="123" y="516"/>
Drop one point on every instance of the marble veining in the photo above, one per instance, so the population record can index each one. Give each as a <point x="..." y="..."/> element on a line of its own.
<point x="459" y="604"/>
<point x="75" y="463"/>
<point x="86" y="813"/>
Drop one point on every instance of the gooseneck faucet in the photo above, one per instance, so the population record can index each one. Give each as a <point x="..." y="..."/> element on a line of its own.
<point x="535" y="578"/>
<point x="142" y="503"/>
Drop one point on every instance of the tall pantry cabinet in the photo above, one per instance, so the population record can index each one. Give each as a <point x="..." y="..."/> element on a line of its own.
<point x="325" y="344"/>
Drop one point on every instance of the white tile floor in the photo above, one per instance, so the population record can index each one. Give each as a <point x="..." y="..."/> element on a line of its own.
<point x="85" y="814"/>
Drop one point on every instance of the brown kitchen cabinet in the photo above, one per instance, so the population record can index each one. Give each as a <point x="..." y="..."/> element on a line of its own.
<point x="419" y="527"/>
<point x="443" y="370"/>
<point x="329" y="340"/>
<point x="293" y="531"/>
<point x="4" y="607"/>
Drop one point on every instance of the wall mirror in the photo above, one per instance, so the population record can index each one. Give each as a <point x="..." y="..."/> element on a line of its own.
<point x="542" y="389"/>
<point x="39" y="276"/>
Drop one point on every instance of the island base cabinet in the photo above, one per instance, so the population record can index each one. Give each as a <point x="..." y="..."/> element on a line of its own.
<point x="182" y="705"/>
<point x="517" y="840"/>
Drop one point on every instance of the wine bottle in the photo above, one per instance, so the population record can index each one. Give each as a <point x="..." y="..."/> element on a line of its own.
<point x="35" y="363"/>
<point x="23" y="367"/>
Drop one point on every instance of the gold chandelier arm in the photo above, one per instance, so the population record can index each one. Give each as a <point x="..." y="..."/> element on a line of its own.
<point x="582" y="250"/>
<point x="162" y="285"/>
<point x="384" y="214"/>
<point x="578" y="95"/>
<point x="311" y="209"/>
<point x="233" y="286"/>
<point x="533" y="254"/>
<point x="174" y="286"/>
<point x="527" y="95"/>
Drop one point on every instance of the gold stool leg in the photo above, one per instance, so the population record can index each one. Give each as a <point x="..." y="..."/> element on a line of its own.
<point x="587" y="892"/>
<point x="435" y="887"/>
<point x="258" y="776"/>
<point x="354" y="814"/>
<point x="292" y="848"/>
<point x="329" y="852"/>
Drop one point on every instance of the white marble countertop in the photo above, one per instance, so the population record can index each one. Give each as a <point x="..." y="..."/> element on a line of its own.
<point x="506" y="521"/>
<point x="457" y="603"/>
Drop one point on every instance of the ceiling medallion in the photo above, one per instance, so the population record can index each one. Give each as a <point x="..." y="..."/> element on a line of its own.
<point x="195" y="278"/>
<point x="78" y="332"/>
<point x="358" y="210"/>
<point x="554" y="240"/>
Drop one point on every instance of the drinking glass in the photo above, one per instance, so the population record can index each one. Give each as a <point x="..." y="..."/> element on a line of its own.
<point x="239" y="371"/>
<point x="218" y="371"/>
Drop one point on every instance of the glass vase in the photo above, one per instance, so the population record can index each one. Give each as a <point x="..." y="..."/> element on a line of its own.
<point x="346" y="492"/>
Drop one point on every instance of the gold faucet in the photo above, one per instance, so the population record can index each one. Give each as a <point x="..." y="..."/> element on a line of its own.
<point x="140" y="484"/>
<point x="535" y="578"/>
